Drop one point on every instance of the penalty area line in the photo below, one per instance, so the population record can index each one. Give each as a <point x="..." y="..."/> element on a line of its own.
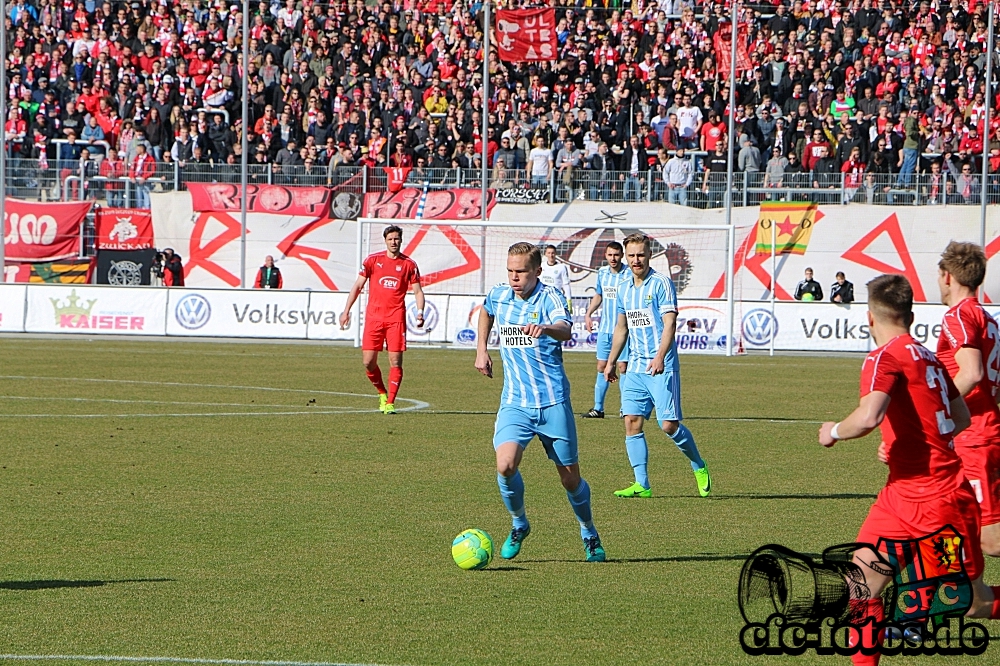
<point x="166" y="660"/>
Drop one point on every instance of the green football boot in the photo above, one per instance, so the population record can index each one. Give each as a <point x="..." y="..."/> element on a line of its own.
<point x="593" y="549"/>
<point x="383" y="400"/>
<point x="635" y="490"/>
<point x="389" y="408"/>
<point x="512" y="546"/>
<point x="704" y="480"/>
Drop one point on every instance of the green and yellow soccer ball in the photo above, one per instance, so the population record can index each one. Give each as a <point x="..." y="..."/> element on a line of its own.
<point x="808" y="297"/>
<point x="472" y="549"/>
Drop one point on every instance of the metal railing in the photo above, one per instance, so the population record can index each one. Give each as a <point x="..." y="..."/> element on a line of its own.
<point x="66" y="180"/>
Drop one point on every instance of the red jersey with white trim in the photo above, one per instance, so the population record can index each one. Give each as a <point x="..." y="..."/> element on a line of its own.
<point x="917" y="427"/>
<point x="967" y="324"/>
<point x="388" y="281"/>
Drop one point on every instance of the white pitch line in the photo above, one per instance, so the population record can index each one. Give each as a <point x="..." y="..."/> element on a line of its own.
<point x="167" y="660"/>
<point x="150" y="402"/>
<point x="416" y="405"/>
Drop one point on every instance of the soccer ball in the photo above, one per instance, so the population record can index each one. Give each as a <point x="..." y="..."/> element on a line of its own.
<point x="808" y="297"/>
<point x="472" y="549"/>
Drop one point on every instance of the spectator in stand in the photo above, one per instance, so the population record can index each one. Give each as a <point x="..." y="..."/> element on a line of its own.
<point x="540" y="159"/>
<point x="143" y="168"/>
<point x="774" y="173"/>
<point x="678" y="172"/>
<point x="634" y="162"/>
<point x="808" y="289"/>
<point x="112" y="169"/>
<point x="268" y="275"/>
<point x="173" y="269"/>
<point x="748" y="159"/>
<point x="854" y="171"/>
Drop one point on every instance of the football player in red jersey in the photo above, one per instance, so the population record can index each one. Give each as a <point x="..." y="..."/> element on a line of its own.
<point x="907" y="391"/>
<point x="391" y="274"/>
<point x="969" y="347"/>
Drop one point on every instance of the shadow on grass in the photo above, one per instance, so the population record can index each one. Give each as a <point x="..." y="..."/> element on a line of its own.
<point x="505" y="569"/>
<point x="777" y="496"/>
<point x="56" y="584"/>
<point x="699" y="557"/>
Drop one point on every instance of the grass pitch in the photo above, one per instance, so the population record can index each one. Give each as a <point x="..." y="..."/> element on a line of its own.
<point x="186" y="511"/>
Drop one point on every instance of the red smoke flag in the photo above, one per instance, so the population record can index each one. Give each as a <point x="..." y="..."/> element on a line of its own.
<point x="525" y="35"/>
<point x="724" y="49"/>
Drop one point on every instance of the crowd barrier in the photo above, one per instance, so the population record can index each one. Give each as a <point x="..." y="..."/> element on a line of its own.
<point x="314" y="315"/>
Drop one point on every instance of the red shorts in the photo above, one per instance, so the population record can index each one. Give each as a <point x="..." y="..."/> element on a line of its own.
<point x="981" y="465"/>
<point x="895" y="517"/>
<point x="387" y="334"/>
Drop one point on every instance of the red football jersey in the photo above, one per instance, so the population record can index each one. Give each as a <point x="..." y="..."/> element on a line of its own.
<point x="969" y="325"/>
<point x="388" y="282"/>
<point x="917" y="426"/>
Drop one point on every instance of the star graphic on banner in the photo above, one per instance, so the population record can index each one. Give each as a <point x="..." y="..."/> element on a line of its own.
<point x="787" y="228"/>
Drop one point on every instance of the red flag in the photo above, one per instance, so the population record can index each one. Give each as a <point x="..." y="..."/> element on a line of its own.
<point x="525" y="35"/>
<point x="43" y="231"/>
<point x="724" y="49"/>
<point x="124" y="229"/>
<point x="397" y="177"/>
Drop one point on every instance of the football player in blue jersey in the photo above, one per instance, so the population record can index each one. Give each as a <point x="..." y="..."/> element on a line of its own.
<point x="647" y="320"/>
<point x="606" y="298"/>
<point x="532" y="323"/>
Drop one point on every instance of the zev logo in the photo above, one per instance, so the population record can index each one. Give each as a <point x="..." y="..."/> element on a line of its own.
<point x="759" y="327"/>
<point x="193" y="312"/>
<point x="389" y="282"/>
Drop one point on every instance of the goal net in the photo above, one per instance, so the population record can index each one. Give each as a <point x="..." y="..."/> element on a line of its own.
<point x="461" y="261"/>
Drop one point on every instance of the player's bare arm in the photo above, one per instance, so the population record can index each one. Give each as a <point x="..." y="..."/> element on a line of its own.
<point x="970" y="369"/>
<point x="561" y="331"/>
<point x="870" y="414"/>
<point x="484" y="364"/>
<point x="655" y="366"/>
<point x="418" y="293"/>
<point x="595" y="303"/>
<point x="617" y="345"/>
<point x="345" y="316"/>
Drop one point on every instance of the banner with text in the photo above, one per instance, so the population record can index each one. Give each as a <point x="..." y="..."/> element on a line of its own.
<point x="35" y="231"/>
<point x="89" y="309"/>
<point x="124" y="229"/>
<point x="526" y="35"/>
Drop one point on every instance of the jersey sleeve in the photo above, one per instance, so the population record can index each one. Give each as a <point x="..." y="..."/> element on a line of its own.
<point x="880" y="373"/>
<point x="962" y="328"/>
<point x="599" y="287"/>
<point x="953" y="391"/>
<point x="414" y="272"/>
<point x="556" y="307"/>
<point x="668" y="297"/>
<point x="367" y="267"/>
<point x="490" y="303"/>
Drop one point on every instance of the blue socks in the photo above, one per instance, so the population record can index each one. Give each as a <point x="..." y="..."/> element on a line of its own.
<point x="600" y="390"/>
<point x="579" y="499"/>
<point x="638" y="457"/>
<point x="512" y="493"/>
<point x="685" y="442"/>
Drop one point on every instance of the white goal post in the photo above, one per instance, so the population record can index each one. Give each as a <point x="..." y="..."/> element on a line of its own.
<point x="464" y="258"/>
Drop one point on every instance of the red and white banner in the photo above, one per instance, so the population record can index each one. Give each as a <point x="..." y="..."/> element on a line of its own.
<point x="526" y="35"/>
<point x="274" y="199"/>
<point x="724" y="50"/>
<point x="42" y="231"/>
<point x="457" y="204"/>
<point x="124" y="229"/>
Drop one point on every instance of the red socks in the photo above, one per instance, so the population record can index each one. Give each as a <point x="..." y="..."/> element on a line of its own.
<point x="995" y="611"/>
<point x="376" y="379"/>
<point x="395" y="379"/>
<point x="875" y="612"/>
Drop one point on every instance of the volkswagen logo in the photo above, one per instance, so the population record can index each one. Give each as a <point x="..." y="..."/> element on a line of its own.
<point x="193" y="311"/>
<point x="759" y="327"/>
<point x="430" y="319"/>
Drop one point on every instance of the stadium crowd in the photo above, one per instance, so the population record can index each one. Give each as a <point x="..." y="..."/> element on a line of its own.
<point x="857" y="94"/>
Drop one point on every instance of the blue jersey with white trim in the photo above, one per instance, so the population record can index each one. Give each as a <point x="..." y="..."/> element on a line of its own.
<point x="607" y="286"/>
<point x="533" y="374"/>
<point x="644" y="307"/>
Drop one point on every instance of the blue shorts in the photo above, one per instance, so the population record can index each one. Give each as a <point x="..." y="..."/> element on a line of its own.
<point x="641" y="393"/>
<point x="604" y="348"/>
<point x="555" y="426"/>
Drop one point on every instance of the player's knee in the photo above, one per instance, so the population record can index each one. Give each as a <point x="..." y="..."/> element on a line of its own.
<point x="670" y="427"/>
<point x="570" y="478"/>
<point x="633" y="424"/>
<point x="506" y="467"/>
<point x="990" y="544"/>
<point x="601" y="365"/>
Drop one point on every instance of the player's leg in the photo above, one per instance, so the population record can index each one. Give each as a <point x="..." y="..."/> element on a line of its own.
<point x="372" y="342"/>
<point x="667" y="400"/>
<point x="600" y="390"/>
<point x="396" y="343"/>
<point x="557" y="432"/>
<point x="981" y="466"/>
<point x="636" y="405"/>
<point x="514" y="429"/>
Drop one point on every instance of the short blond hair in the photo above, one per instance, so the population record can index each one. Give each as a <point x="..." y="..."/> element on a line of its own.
<point x="637" y="238"/>
<point x="523" y="248"/>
